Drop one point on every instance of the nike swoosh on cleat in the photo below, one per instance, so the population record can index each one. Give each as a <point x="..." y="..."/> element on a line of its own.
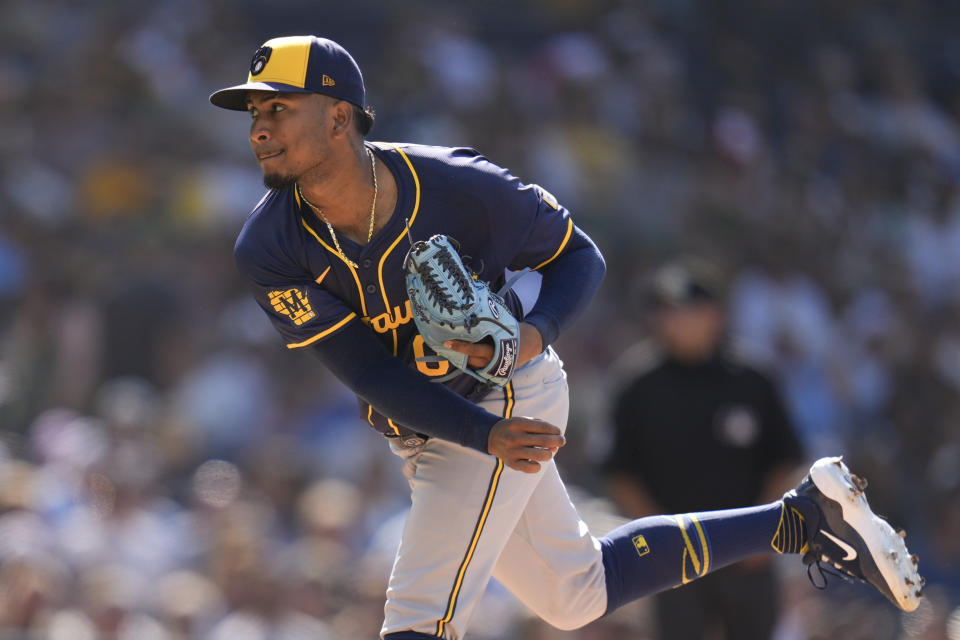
<point x="850" y="551"/>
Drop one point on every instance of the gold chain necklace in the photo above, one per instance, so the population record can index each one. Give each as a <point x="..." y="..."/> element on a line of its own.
<point x="373" y="211"/>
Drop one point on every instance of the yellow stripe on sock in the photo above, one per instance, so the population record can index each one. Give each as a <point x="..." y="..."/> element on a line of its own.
<point x="689" y="550"/>
<point x="776" y="543"/>
<point x="703" y="547"/>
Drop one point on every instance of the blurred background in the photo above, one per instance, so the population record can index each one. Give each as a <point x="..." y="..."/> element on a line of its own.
<point x="169" y="470"/>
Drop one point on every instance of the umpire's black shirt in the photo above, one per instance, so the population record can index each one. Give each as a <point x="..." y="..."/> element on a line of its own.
<point x="701" y="436"/>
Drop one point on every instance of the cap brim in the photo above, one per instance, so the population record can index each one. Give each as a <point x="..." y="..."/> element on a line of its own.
<point x="235" y="98"/>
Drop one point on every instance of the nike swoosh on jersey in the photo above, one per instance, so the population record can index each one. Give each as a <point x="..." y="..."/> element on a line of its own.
<point x="850" y="551"/>
<point x="322" y="275"/>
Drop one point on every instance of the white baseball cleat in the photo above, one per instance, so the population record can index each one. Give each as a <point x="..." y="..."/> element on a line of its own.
<point x="852" y="539"/>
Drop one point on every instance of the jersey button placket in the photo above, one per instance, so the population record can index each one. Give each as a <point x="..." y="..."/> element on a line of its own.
<point x="366" y="264"/>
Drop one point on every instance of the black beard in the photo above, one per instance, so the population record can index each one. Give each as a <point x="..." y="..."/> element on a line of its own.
<point x="277" y="181"/>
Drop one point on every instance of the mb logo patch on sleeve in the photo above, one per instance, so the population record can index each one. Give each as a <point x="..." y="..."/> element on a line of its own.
<point x="292" y="303"/>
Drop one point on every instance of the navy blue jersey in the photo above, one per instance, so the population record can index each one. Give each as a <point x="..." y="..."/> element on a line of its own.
<point x="310" y="293"/>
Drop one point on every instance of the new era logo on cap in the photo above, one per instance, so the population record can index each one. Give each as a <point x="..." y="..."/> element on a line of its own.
<point x="328" y="81"/>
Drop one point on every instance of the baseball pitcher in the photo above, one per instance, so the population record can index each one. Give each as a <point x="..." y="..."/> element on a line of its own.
<point x="389" y="262"/>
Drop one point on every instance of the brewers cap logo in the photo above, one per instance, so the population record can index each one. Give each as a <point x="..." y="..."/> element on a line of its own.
<point x="292" y="303"/>
<point x="260" y="59"/>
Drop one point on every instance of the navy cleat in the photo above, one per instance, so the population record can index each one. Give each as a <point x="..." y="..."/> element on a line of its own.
<point x="849" y="537"/>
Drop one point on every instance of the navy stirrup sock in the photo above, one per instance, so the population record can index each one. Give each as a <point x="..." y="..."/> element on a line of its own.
<point x="659" y="552"/>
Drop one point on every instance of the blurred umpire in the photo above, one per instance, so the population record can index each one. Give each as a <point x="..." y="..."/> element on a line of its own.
<point x="687" y="404"/>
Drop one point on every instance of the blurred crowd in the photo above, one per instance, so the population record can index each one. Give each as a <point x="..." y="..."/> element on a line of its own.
<point x="169" y="470"/>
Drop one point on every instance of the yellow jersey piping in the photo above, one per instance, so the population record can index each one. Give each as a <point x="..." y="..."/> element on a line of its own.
<point x="563" y="244"/>
<point x="356" y="278"/>
<point x="383" y="258"/>
<point x="323" y="333"/>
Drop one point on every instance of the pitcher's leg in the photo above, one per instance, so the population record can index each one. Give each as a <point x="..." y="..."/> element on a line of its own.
<point x="551" y="563"/>
<point x="568" y="578"/>
<point x="463" y="501"/>
<point x="465" y="506"/>
<point x="659" y="552"/>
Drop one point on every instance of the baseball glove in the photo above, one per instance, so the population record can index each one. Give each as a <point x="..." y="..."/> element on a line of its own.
<point x="449" y="302"/>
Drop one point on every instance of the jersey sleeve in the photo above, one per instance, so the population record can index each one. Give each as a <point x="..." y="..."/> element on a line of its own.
<point x="401" y="393"/>
<point x="524" y="224"/>
<point x="300" y="309"/>
<point x="529" y="228"/>
<point x="548" y="231"/>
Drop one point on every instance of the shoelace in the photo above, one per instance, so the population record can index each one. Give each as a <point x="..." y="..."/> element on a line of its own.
<point x="824" y="571"/>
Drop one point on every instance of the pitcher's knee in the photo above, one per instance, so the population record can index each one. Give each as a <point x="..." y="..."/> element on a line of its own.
<point x="571" y="616"/>
<point x="567" y="621"/>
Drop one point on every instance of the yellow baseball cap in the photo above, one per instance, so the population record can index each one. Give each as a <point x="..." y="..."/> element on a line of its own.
<point x="299" y="64"/>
